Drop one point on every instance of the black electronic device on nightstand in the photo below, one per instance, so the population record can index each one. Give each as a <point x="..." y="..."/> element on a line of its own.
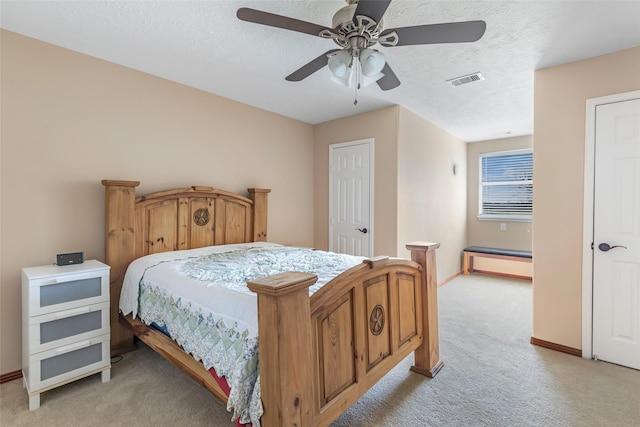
<point x="70" y="258"/>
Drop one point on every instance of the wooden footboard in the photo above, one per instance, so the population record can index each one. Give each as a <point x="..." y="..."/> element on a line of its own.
<point x="351" y="332"/>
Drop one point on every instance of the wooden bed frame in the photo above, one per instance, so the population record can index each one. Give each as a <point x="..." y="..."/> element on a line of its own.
<point x="351" y="332"/>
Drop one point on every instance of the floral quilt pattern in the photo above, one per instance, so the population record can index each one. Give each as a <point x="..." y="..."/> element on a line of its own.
<point x="221" y="342"/>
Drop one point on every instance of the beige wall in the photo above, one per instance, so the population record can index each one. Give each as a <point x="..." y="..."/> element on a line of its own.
<point x="70" y="120"/>
<point x="416" y="195"/>
<point x="559" y="136"/>
<point x="431" y="199"/>
<point x="487" y="233"/>
<point x="382" y="126"/>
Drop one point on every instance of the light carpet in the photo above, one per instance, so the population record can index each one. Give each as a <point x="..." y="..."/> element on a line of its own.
<point x="492" y="376"/>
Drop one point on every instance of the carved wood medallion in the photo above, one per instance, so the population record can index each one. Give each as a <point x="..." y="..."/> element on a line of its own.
<point x="376" y="320"/>
<point x="201" y="216"/>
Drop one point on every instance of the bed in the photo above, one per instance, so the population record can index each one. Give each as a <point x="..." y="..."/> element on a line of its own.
<point x="319" y="351"/>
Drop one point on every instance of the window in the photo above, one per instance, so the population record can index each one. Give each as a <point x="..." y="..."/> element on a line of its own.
<point x="506" y="185"/>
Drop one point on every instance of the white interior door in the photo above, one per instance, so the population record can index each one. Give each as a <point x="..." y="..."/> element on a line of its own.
<point x="616" y="233"/>
<point x="350" y="197"/>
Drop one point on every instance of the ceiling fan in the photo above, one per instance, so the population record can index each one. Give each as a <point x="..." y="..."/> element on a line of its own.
<point x="356" y="28"/>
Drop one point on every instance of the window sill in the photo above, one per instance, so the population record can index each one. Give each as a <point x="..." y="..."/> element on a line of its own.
<point x="510" y="218"/>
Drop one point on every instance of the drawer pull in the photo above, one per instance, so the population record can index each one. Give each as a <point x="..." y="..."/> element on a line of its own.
<point x="73" y="312"/>
<point x="72" y="347"/>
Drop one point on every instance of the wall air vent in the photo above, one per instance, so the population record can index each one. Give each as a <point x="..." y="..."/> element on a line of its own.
<point x="470" y="78"/>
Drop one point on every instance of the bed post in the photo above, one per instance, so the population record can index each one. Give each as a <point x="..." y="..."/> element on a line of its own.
<point x="427" y="356"/>
<point x="284" y="340"/>
<point x="119" y="251"/>
<point x="260" y="198"/>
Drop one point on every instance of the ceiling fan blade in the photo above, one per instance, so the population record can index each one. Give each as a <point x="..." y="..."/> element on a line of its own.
<point x="389" y="80"/>
<point x="452" y="32"/>
<point x="279" y="21"/>
<point x="310" y="67"/>
<point x="374" y="9"/>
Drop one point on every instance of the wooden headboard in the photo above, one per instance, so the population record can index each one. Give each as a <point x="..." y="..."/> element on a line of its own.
<point x="172" y="220"/>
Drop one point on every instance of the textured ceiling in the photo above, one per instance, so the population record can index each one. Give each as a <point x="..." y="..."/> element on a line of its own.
<point x="202" y="44"/>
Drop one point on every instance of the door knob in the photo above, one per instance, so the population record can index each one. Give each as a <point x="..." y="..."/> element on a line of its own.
<point x="604" y="247"/>
<point x="362" y="230"/>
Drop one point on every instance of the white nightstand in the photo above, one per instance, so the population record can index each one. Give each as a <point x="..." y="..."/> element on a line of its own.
<point x="65" y="325"/>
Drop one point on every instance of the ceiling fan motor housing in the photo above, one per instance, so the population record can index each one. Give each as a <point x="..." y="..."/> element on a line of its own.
<point x="348" y="26"/>
<point x="343" y="16"/>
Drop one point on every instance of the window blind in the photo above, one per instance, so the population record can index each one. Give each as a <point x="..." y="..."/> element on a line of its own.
<point x="506" y="184"/>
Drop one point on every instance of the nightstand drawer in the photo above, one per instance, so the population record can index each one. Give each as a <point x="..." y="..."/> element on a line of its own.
<point x="64" y="292"/>
<point x="64" y="363"/>
<point x="65" y="327"/>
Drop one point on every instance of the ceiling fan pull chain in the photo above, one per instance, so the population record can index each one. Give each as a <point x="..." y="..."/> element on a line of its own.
<point x="357" y="85"/>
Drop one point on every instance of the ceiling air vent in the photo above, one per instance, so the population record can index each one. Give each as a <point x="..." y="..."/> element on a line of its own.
<point x="470" y="78"/>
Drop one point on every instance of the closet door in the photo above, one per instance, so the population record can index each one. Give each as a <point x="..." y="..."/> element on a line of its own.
<point x="616" y="253"/>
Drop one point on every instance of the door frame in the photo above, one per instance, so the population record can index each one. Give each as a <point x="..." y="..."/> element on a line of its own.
<point x="370" y="142"/>
<point x="587" y="224"/>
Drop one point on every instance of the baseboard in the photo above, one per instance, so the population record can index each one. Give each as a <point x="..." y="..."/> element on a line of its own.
<point x="496" y="273"/>
<point x="11" y="376"/>
<point x="445" y="281"/>
<point x="557" y="347"/>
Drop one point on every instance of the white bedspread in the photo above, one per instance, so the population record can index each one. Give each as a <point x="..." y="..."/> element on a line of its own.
<point x="166" y="273"/>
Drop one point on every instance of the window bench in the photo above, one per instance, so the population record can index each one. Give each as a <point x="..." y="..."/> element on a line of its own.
<point x="472" y="252"/>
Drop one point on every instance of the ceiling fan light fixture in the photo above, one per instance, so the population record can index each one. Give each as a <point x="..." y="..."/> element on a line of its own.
<point x="372" y="62"/>
<point x="340" y="64"/>
<point x="364" y="69"/>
